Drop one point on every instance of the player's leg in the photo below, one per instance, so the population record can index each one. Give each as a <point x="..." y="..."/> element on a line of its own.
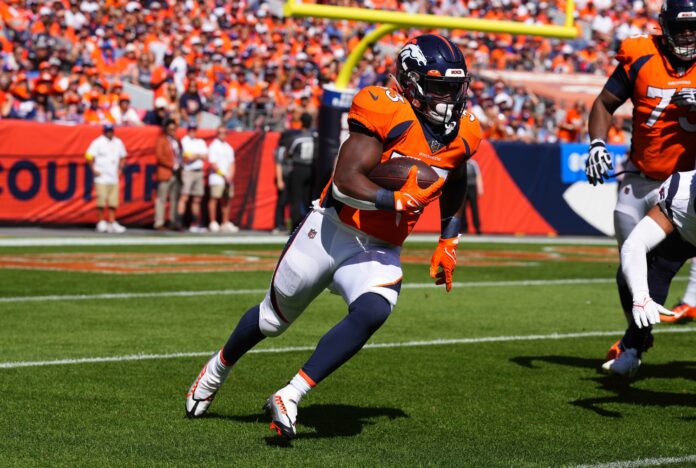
<point x="102" y="225"/>
<point x="215" y="193"/>
<point x="686" y="309"/>
<point x="303" y="271"/>
<point x="663" y="263"/>
<point x="369" y="280"/>
<point x="636" y="196"/>
<point x="174" y="194"/>
<point x="161" y="203"/>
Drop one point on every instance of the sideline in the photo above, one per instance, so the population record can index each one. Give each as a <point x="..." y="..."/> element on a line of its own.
<point x="404" y="344"/>
<point x="643" y="462"/>
<point x="213" y="239"/>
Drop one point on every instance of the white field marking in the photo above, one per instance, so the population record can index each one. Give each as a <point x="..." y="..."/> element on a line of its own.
<point x="237" y="292"/>
<point x="403" y="344"/>
<point x="274" y="240"/>
<point x="643" y="462"/>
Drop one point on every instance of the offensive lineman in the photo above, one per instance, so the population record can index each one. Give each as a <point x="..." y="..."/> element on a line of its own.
<point x="669" y="231"/>
<point x="658" y="74"/>
<point x="350" y="241"/>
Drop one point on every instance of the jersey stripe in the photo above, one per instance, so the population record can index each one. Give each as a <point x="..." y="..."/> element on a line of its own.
<point x="673" y="187"/>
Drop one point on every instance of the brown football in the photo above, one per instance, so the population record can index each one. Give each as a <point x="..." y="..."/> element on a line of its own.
<point x="392" y="174"/>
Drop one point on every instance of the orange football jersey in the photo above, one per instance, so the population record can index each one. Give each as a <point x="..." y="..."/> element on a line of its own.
<point x="386" y="114"/>
<point x="664" y="134"/>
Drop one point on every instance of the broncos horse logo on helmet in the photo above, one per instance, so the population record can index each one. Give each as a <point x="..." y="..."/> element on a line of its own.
<point x="412" y="51"/>
<point x="432" y="75"/>
<point x="678" y="23"/>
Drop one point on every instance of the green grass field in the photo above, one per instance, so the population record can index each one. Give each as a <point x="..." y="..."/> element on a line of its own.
<point x="531" y="398"/>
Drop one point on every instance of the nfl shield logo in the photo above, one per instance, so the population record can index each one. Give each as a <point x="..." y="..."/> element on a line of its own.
<point x="312" y="233"/>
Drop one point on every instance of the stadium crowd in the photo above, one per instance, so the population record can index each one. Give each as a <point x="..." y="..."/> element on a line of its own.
<point x="67" y="60"/>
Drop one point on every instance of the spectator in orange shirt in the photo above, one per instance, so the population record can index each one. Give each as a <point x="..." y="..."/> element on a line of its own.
<point x="616" y="135"/>
<point x="569" y="131"/>
<point x="95" y="114"/>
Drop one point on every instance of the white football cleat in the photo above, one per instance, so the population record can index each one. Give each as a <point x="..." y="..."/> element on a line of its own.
<point x="281" y="407"/>
<point x="116" y="228"/>
<point x="214" y="227"/>
<point x="204" y="388"/>
<point x="229" y="227"/>
<point x="102" y="226"/>
<point x="626" y="364"/>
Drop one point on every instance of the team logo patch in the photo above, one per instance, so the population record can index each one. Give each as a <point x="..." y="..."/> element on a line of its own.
<point x="412" y="51"/>
<point x="627" y="190"/>
<point x="312" y="233"/>
<point x="435" y="146"/>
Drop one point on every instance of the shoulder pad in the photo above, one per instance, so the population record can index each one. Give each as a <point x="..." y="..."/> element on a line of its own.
<point x="375" y="108"/>
<point x="635" y="47"/>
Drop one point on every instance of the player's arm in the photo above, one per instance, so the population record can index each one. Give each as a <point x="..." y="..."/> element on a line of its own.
<point x="647" y="234"/>
<point x="358" y="155"/>
<point x="89" y="156"/>
<point x="452" y="209"/>
<point x="615" y="92"/>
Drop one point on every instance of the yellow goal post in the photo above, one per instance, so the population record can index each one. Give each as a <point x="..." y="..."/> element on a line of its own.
<point x="393" y="20"/>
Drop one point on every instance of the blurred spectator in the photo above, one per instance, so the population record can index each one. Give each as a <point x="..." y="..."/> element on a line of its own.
<point x="301" y="149"/>
<point x="283" y="167"/>
<point x="168" y="153"/>
<point x="191" y="104"/>
<point x="159" y="115"/>
<point x="616" y="135"/>
<point x="259" y="71"/>
<point x="106" y="156"/>
<point x="195" y="152"/>
<point x="221" y="182"/>
<point x="123" y="113"/>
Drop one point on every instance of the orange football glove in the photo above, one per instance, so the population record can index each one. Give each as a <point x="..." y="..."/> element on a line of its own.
<point x="443" y="261"/>
<point x="411" y="197"/>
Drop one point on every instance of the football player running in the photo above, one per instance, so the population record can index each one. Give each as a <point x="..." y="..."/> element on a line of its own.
<point x="350" y="241"/>
<point x="669" y="231"/>
<point x="658" y="74"/>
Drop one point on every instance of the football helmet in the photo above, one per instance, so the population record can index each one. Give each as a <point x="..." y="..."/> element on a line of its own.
<point x="432" y="74"/>
<point x="678" y="23"/>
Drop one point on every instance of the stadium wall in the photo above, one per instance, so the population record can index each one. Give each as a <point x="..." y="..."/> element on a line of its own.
<point x="536" y="189"/>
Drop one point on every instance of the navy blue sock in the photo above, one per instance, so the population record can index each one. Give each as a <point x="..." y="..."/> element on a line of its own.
<point x="243" y="338"/>
<point x="638" y="338"/>
<point x="365" y="315"/>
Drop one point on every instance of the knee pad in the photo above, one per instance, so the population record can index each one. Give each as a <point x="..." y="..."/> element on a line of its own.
<point x="270" y="322"/>
<point x="371" y="310"/>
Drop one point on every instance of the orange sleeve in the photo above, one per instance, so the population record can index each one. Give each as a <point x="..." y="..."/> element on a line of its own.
<point x="374" y="108"/>
<point x="471" y="133"/>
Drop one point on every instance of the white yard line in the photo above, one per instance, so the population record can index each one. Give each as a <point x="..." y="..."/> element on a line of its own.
<point x="643" y="462"/>
<point x="237" y="292"/>
<point x="269" y="239"/>
<point x="404" y="344"/>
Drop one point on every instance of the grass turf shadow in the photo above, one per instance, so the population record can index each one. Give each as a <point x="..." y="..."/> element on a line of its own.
<point x="623" y="389"/>
<point x="328" y="421"/>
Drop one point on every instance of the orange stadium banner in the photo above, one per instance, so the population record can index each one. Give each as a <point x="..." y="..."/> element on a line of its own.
<point x="45" y="179"/>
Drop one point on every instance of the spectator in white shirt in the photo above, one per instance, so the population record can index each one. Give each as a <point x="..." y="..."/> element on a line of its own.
<point x="195" y="152"/>
<point x="106" y="156"/>
<point x="221" y="182"/>
<point x="124" y="114"/>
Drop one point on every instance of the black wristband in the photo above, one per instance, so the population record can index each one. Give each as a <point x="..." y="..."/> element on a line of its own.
<point x="384" y="200"/>
<point x="597" y="142"/>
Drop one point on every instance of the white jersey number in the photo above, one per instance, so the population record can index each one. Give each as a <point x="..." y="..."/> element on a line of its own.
<point x="665" y="96"/>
